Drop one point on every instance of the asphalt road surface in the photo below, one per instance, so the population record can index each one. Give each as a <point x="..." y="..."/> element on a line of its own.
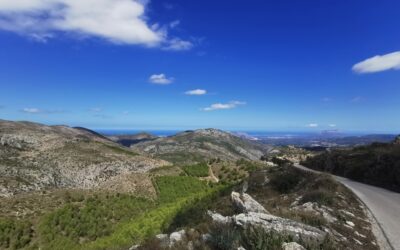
<point x="383" y="204"/>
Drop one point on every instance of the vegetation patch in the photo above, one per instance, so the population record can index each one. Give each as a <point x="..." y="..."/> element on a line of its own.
<point x="197" y="170"/>
<point x="377" y="164"/>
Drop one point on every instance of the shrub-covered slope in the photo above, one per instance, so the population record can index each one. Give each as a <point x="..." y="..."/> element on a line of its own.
<point x="377" y="164"/>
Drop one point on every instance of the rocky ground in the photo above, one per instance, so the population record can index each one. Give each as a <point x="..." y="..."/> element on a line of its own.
<point x="36" y="157"/>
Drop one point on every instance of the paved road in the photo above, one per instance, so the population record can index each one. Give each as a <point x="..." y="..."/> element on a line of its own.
<point x="384" y="205"/>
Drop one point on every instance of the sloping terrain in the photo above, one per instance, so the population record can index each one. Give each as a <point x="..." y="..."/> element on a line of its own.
<point x="128" y="140"/>
<point x="35" y="157"/>
<point x="376" y="164"/>
<point x="200" y="145"/>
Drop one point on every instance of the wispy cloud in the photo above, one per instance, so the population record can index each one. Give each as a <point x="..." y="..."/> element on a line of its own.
<point x="313" y="125"/>
<point x="174" y="24"/>
<point x="356" y="99"/>
<point x="177" y="44"/>
<point x="196" y="92"/>
<point x="378" y="63"/>
<point x="220" y="106"/>
<point x="161" y="79"/>
<point x="332" y="125"/>
<point x="41" y="111"/>
<point x="96" y="110"/>
<point x="118" y="21"/>
<point x="326" y="99"/>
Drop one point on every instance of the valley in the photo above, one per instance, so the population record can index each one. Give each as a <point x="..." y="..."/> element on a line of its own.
<point x="72" y="188"/>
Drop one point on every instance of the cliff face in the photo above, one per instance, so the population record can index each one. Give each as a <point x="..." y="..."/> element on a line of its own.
<point x="35" y="157"/>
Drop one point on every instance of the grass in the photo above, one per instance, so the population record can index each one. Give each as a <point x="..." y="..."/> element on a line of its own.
<point x="198" y="170"/>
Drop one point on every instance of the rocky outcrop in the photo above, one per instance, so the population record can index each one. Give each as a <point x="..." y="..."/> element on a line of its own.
<point x="281" y="225"/>
<point x="292" y="246"/>
<point x="244" y="203"/>
<point x="254" y="215"/>
<point x="316" y="209"/>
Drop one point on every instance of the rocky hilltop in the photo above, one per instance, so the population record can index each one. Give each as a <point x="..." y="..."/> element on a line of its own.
<point x="198" y="145"/>
<point x="35" y="157"/>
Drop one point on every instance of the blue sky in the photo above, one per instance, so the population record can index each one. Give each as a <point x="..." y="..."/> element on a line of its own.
<point x="246" y="65"/>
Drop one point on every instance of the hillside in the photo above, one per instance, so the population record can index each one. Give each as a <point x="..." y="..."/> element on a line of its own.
<point x="36" y="157"/>
<point x="200" y="145"/>
<point x="128" y="140"/>
<point x="376" y="164"/>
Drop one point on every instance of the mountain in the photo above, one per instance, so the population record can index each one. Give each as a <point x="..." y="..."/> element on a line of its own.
<point x="200" y="145"/>
<point x="376" y="164"/>
<point x="128" y="140"/>
<point x="36" y="157"/>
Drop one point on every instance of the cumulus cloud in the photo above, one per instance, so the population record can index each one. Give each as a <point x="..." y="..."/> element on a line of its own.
<point x="219" y="106"/>
<point x="313" y="125"/>
<point x="118" y="21"/>
<point x="40" y="111"/>
<point x="161" y="79"/>
<point x="378" y="63"/>
<point x="196" y="92"/>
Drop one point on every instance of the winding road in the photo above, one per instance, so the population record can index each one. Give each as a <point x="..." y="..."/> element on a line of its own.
<point x="383" y="204"/>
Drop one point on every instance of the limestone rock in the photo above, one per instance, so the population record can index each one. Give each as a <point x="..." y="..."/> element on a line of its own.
<point x="281" y="225"/>
<point x="176" y="237"/>
<point x="219" y="219"/>
<point x="245" y="203"/>
<point x="292" y="246"/>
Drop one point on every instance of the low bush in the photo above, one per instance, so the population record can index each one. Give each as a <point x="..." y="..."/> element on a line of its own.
<point x="284" y="181"/>
<point x="320" y="196"/>
<point x="15" y="234"/>
<point x="198" y="170"/>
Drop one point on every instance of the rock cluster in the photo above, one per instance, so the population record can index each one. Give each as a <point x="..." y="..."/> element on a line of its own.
<point x="253" y="214"/>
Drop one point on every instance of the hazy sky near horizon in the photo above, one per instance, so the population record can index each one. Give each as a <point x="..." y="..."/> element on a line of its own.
<point x="251" y="65"/>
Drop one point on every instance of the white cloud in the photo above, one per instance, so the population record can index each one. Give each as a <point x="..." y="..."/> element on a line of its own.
<point x="161" y="79"/>
<point x="41" y="111"/>
<point x="332" y="125"/>
<point x="313" y="125"/>
<point x="177" y="44"/>
<point x="118" y="21"/>
<point x="378" y="63"/>
<point x="174" y="24"/>
<point x="31" y="110"/>
<point x="196" y="92"/>
<point x="356" y="99"/>
<point x="219" y="106"/>
<point x="96" y="110"/>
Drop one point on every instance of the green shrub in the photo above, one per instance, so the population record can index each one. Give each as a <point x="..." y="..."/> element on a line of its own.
<point x="15" y="234"/>
<point x="320" y="196"/>
<point x="285" y="181"/>
<point x="258" y="239"/>
<point x="198" y="170"/>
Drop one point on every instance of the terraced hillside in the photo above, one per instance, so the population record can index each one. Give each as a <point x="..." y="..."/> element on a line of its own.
<point x="200" y="145"/>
